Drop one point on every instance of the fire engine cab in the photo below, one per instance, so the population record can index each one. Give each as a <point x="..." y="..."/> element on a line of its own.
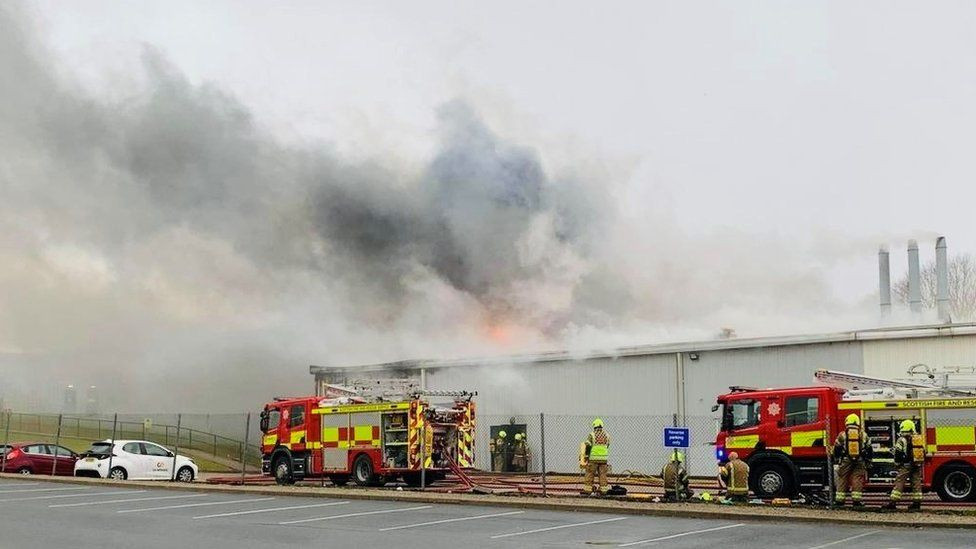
<point x="786" y="435"/>
<point x="372" y="439"/>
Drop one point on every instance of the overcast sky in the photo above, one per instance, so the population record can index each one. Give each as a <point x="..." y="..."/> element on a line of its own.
<point x="791" y="118"/>
<point x="779" y="142"/>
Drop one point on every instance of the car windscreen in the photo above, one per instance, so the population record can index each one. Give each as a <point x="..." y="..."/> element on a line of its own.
<point x="99" y="449"/>
<point x="4" y="448"/>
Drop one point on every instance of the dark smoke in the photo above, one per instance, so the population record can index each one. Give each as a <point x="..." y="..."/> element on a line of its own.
<point x="167" y="248"/>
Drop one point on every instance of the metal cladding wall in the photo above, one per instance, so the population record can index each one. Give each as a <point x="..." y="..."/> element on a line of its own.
<point x="780" y="366"/>
<point x="891" y="358"/>
<point x="609" y="386"/>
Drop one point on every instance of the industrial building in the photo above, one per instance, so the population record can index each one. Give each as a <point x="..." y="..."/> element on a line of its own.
<point x="654" y="385"/>
<point x="663" y="380"/>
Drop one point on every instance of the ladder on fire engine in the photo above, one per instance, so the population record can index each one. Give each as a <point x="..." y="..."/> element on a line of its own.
<point x="861" y="386"/>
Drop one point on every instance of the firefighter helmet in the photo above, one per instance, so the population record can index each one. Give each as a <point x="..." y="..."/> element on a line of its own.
<point x="853" y="419"/>
<point x="908" y="426"/>
<point x="518" y="436"/>
<point x="502" y="434"/>
<point x="597" y="423"/>
<point x="678" y="456"/>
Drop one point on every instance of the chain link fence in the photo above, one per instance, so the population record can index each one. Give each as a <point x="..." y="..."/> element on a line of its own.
<point x="217" y="443"/>
<point x="636" y="443"/>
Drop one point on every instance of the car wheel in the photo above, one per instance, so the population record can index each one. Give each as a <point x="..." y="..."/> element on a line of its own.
<point x="339" y="480"/>
<point x="118" y="473"/>
<point x="956" y="483"/>
<point x="771" y="480"/>
<point x="282" y="471"/>
<point x="25" y="471"/>
<point x="185" y="474"/>
<point x="362" y="470"/>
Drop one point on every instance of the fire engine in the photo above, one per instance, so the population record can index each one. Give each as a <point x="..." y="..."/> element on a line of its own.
<point x="371" y="438"/>
<point x="785" y="435"/>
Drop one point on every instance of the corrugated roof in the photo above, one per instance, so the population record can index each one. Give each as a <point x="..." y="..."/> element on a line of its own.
<point x="874" y="334"/>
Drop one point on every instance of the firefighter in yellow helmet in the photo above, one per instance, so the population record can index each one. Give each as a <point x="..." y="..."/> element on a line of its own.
<point x="909" y="452"/>
<point x="735" y="475"/>
<point x="852" y="453"/>
<point x="499" y="451"/>
<point x="520" y="454"/>
<point x="593" y="457"/>
<point x="675" y="477"/>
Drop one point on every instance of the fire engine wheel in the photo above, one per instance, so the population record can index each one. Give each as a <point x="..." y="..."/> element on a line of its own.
<point x="956" y="483"/>
<point x="411" y="479"/>
<point x="282" y="471"/>
<point x="771" y="480"/>
<point x="362" y="471"/>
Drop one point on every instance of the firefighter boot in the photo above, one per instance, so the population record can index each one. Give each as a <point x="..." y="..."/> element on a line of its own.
<point x="915" y="506"/>
<point x="890" y="506"/>
<point x="857" y="504"/>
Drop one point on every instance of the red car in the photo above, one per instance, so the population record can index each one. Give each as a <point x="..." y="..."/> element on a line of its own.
<point x="37" y="458"/>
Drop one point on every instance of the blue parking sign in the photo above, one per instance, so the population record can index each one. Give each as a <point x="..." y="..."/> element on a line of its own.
<point x="677" y="437"/>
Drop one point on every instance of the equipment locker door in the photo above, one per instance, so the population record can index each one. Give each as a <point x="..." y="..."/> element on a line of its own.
<point x="335" y="442"/>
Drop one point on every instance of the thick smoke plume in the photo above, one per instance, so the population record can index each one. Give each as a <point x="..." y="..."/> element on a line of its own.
<point x="166" y="248"/>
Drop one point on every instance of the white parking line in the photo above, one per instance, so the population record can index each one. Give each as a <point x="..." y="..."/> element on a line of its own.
<point x="271" y="510"/>
<point x="249" y="500"/>
<point x="86" y="495"/>
<point x="333" y="517"/>
<point x="126" y="500"/>
<point x="845" y="540"/>
<point x="681" y="535"/>
<point x="560" y="527"/>
<point x="5" y="485"/>
<point x="476" y="517"/>
<point x="43" y="490"/>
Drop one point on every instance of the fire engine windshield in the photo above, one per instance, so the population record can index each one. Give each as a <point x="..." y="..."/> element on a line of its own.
<point x="740" y="414"/>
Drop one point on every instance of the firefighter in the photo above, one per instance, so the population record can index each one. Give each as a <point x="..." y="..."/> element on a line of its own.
<point x="593" y="456"/>
<point x="852" y="452"/>
<point x="909" y="452"/>
<point x="520" y="454"/>
<point x="675" y="478"/>
<point x="498" y="450"/>
<point x="735" y="476"/>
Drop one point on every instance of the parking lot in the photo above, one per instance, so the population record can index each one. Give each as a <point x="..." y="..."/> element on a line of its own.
<point x="39" y="514"/>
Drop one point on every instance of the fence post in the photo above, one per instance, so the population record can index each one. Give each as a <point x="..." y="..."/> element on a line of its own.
<point x="215" y="445"/>
<point x="57" y="441"/>
<point x="176" y="450"/>
<point x="6" y="441"/>
<point x="247" y="431"/>
<point x="78" y="427"/>
<point x="542" y="445"/>
<point x="111" y="450"/>
<point x="166" y="435"/>
<point x="190" y="443"/>
<point x="99" y="422"/>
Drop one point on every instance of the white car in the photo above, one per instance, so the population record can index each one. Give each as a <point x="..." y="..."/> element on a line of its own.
<point x="135" y="460"/>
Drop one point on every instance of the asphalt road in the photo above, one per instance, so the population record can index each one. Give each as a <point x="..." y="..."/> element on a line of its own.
<point x="38" y="514"/>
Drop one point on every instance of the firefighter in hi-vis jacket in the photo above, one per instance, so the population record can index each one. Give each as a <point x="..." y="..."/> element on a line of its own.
<point x="852" y="450"/>
<point x="499" y="451"/>
<point x="675" y="477"/>
<point x="593" y="458"/>
<point x="909" y="452"/>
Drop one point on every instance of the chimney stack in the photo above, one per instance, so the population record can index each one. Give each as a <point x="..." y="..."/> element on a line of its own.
<point x="942" y="279"/>
<point x="914" y="280"/>
<point x="884" y="281"/>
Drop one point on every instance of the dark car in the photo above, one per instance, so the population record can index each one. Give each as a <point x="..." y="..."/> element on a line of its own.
<point x="37" y="458"/>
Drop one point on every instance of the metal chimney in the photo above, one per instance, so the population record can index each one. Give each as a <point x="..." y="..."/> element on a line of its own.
<point x="914" y="282"/>
<point x="884" y="281"/>
<point x="942" y="279"/>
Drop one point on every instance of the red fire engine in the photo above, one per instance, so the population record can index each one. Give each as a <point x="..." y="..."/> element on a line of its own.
<point x="371" y="440"/>
<point x="785" y="434"/>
